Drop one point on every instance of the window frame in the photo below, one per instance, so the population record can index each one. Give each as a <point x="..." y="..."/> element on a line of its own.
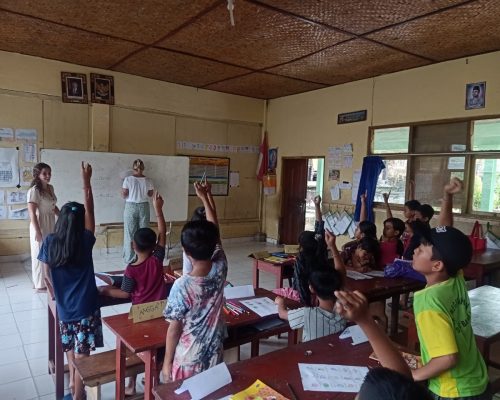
<point x="469" y="167"/>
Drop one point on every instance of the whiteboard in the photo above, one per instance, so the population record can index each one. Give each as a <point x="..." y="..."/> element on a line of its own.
<point x="168" y="173"/>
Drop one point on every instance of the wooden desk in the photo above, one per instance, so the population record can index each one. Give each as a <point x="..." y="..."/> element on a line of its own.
<point x="482" y="264"/>
<point x="281" y="271"/>
<point x="378" y="289"/>
<point x="279" y="367"/>
<point x="145" y="338"/>
<point x="485" y="307"/>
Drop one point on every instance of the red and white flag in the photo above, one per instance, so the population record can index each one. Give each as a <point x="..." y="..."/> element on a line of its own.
<point x="262" y="164"/>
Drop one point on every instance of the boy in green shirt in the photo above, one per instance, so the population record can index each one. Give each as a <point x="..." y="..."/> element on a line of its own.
<point x="452" y="363"/>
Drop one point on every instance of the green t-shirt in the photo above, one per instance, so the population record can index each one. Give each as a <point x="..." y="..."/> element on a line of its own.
<point x="443" y="318"/>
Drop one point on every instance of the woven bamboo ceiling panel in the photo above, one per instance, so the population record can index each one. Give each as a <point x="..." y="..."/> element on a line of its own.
<point x="276" y="48"/>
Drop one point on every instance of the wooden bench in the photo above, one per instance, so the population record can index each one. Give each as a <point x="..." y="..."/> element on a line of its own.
<point x="99" y="369"/>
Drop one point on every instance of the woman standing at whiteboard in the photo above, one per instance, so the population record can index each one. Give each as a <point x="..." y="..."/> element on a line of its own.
<point x="42" y="211"/>
<point x="136" y="190"/>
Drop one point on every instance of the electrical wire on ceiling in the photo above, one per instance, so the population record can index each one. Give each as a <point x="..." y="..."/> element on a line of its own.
<point x="230" y="8"/>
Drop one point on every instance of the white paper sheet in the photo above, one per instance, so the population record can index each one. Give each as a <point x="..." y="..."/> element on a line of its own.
<point x="206" y="382"/>
<point x="355" y="333"/>
<point x="356" y="177"/>
<point x="237" y="292"/>
<point x="234" y="179"/>
<point x="332" y="378"/>
<point x="9" y="170"/>
<point x="357" y="275"/>
<point x="352" y="230"/>
<point x="330" y="221"/>
<point x="262" y="306"/>
<point x="335" y="192"/>
<point x="343" y="223"/>
<point x="377" y="274"/>
<point x="3" y="212"/>
<point x="26" y="134"/>
<point x="100" y="282"/>
<point x="2" y="196"/>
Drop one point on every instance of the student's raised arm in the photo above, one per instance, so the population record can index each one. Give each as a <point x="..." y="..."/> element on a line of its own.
<point x="338" y="263"/>
<point x="363" y="213"/>
<point x="88" y="197"/>
<point x="354" y="307"/>
<point x="204" y="191"/>
<point x="162" y="225"/>
<point x="450" y="189"/>
<point x="317" y="208"/>
<point x="388" y="211"/>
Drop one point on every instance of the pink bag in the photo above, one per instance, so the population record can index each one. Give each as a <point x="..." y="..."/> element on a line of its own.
<point x="477" y="238"/>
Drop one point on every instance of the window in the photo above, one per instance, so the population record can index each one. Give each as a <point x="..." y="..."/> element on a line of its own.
<point x="425" y="157"/>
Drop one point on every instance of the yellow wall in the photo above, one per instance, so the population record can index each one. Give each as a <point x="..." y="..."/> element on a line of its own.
<point x="159" y="113"/>
<point x="306" y="124"/>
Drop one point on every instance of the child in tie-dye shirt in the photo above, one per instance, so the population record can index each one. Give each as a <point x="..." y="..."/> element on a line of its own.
<point x="195" y="335"/>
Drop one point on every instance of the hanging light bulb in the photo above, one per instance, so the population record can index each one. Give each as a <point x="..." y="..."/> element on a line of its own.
<point x="230" y="7"/>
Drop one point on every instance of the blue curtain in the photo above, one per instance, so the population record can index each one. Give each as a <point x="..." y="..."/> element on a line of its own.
<point x="372" y="166"/>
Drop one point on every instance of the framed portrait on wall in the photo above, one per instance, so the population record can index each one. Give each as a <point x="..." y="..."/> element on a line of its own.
<point x="102" y="89"/>
<point x="475" y="95"/>
<point x="74" y="88"/>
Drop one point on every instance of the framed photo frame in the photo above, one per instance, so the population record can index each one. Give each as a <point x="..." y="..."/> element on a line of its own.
<point x="475" y="95"/>
<point x="74" y="88"/>
<point x="214" y="169"/>
<point x="102" y="89"/>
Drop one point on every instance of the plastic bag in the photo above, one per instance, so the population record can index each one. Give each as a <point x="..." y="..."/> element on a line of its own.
<point x="402" y="269"/>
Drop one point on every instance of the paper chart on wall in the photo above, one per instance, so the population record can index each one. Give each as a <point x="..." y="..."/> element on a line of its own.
<point x="26" y="134"/>
<point x="9" y="170"/>
<point x="6" y="134"/>
<point x="356" y="177"/>
<point x="332" y="378"/>
<point x="2" y="197"/>
<point x="29" y="151"/>
<point x="3" y="212"/>
<point x="17" y="197"/>
<point x="18" y="213"/>
<point x="262" y="306"/>
<point x="26" y="176"/>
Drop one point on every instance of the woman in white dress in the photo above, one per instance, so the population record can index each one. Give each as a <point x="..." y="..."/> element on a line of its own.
<point x="136" y="190"/>
<point x="42" y="211"/>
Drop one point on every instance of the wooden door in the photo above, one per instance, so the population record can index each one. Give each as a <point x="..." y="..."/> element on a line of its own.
<point x="293" y="204"/>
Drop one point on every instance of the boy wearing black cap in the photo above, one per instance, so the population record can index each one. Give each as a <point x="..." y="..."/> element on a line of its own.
<point x="452" y="363"/>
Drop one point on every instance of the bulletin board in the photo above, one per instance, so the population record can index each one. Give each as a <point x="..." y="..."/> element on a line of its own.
<point x="216" y="171"/>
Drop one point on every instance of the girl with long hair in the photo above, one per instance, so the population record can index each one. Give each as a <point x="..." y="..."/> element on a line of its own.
<point x="67" y="258"/>
<point x="42" y="211"/>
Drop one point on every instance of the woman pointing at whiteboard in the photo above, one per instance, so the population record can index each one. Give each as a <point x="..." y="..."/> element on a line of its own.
<point x="136" y="190"/>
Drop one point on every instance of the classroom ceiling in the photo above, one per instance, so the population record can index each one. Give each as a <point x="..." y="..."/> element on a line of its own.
<point x="276" y="48"/>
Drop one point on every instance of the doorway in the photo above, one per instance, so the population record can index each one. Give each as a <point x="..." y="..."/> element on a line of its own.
<point x="302" y="180"/>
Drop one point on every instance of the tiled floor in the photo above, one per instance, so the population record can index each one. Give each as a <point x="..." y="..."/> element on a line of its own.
<point x="23" y="322"/>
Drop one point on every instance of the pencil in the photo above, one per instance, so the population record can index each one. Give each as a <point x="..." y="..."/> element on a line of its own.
<point x="294" y="395"/>
<point x="203" y="177"/>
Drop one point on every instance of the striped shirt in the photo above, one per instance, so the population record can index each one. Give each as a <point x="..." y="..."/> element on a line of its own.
<point x="316" y="322"/>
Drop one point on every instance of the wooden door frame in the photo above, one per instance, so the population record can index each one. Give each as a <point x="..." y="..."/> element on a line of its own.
<point x="280" y="220"/>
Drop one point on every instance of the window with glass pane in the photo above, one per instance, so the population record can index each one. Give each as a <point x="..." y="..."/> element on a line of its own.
<point x="486" y="193"/>
<point x="392" y="179"/>
<point x="440" y="138"/>
<point x="391" y="140"/>
<point x="431" y="173"/>
<point x="486" y="135"/>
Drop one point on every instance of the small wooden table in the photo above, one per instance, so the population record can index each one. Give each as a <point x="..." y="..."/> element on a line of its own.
<point x="279" y="367"/>
<point x="145" y="338"/>
<point x="377" y="289"/>
<point x="281" y="271"/>
<point x="485" y="308"/>
<point x="482" y="264"/>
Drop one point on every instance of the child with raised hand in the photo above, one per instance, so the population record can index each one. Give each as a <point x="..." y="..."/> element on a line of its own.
<point x="67" y="255"/>
<point x="316" y="321"/>
<point x="393" y="381"/>
<point x="453" y="365"/>
<point x="194" y="341"/>
<point x="143" y="279"/>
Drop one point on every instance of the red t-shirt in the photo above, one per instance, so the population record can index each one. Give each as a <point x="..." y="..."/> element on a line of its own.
<point x="389" y="250"/>
<point x="145" y="281"/>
